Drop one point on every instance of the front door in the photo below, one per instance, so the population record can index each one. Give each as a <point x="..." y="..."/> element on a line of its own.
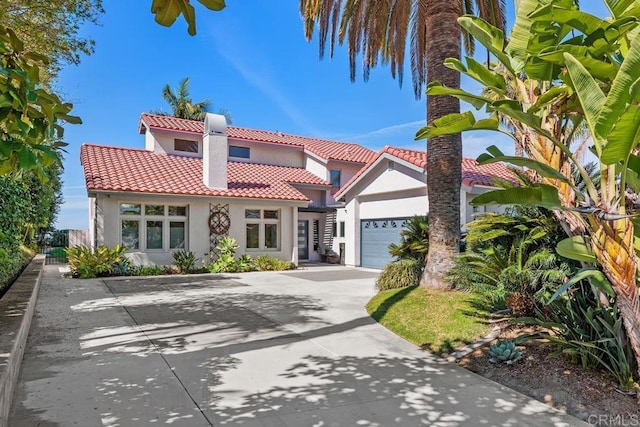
<point x="303" y="239"/>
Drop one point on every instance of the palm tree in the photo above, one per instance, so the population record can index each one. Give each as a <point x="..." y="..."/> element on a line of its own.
<point x="182" y="106"/>
<point x="379" y="29"/>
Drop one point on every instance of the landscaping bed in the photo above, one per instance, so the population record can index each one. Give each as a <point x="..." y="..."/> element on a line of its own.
<point x="442" y="321"/>
<point x="585" y="393"/>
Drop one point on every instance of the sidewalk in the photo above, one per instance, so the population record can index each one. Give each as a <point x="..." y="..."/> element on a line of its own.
<point x="255" y="349"/>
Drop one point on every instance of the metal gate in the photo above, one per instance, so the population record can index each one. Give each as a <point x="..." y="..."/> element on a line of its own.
<point x="53" y="245"/>
<point x="375" y="237"/>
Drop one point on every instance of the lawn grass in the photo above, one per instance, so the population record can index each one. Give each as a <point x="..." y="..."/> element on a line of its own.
<point x="438" y="321"/>
<point x="59" y="253"/>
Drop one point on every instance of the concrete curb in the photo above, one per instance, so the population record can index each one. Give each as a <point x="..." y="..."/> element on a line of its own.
<point x="459" y="353"/>
<point x="17" y="307"/>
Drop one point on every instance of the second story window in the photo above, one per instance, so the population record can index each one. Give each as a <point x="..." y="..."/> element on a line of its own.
<point x="185" y="145"/>
<point x="334" y="177"/>
<point x="241" y="152"/>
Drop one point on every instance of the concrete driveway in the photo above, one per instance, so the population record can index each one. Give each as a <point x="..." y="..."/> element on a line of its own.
<point x="256" y="349"/>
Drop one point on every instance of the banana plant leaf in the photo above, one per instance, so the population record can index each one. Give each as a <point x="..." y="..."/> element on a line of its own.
<point x="575" y="248"/>
<point x="541" y="195"/>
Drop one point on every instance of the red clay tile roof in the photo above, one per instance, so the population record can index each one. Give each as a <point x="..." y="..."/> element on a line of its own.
<point x="472" y="173"/>
<point x="133" y="170"/>
<point x="328" y="150"/>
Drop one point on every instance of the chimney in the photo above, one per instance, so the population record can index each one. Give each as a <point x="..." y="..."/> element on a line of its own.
<point x="214" y="151"/>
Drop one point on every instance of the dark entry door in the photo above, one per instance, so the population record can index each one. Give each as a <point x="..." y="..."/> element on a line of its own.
<point x="303" y="239"/>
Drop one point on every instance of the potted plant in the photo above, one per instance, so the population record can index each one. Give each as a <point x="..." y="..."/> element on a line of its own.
<point x="332" y="257"/>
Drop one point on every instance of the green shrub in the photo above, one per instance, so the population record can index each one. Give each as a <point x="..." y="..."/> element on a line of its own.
<point x="414" y="240"/>
<point x="245" y="263"/>
<point x="226" y="262"/>
<point x="587" y="333"/>
<point x="87" y="264"/>
<point x="400" y="274"/>
<point x="12" y="262"/>
<point x="151" y="270"/>
<point x="227" y="246"/>
<point x="268" y="263"/>
<point x="497" y="273"/>
<point x="184" y="261"/>
<point x="510" y="259"/>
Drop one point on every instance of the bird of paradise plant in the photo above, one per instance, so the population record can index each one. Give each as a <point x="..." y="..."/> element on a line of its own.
<point x="571" y="69"/>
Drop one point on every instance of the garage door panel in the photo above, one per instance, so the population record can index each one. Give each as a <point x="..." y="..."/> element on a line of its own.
<point x="376" y="236"/>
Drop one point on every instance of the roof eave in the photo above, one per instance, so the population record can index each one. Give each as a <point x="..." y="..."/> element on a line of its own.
<point x="384" y="155"/>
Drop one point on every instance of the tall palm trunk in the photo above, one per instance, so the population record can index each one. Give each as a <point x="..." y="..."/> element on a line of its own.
<point x="444" y="154"/>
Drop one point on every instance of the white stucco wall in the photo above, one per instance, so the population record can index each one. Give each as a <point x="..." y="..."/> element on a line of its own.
<point x="317" y="197"/>
<point x="108" y="225"/>
<point x="270" y="154"/>
<point x="92" y="222"/>
<point x="316" y="167"/>
<point x="347" y="171"/>
<point x="394" y="192"/>
<point x="401" y="204"/>
<point x="162" y="141"/>
<point x="347" y="239"/>
<point x="351" y="215"/>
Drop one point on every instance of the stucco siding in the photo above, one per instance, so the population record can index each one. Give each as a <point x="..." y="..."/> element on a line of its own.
<point x="351" y="214"/>
<point x="347" y="171"/>
<point x="317" y="197"/>
<point x="164" y="142"/>
<point x="316" y="167"/>
<point x="270" y="154"/>
<point x="108" y="226"/>
<point x="401" y="204"/>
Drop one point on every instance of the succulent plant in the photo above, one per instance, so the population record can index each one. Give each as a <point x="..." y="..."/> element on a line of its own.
<point x="504" y="351"/>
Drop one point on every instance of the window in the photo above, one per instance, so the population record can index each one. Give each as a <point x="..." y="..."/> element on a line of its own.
<point x="252" y="213"/>
<point x="153" y="226"/>
<point x="253" y="236"/>
<point x="129" y="209"/>
<point x="185" y="145"/>
<point x="131" y="234"/>
<point x="335" y="230"/>
<point x="262" y="229"/>
<point x="154" y="234"/>
<point x="341" y="228"/>
<point x="154" y="210"/>
<point x="334" y="177"/>
<point x="316" y="234"/>
<point x="177" y="211"/>
<point x="176" y="234"/>
<point x="241" y="152"/>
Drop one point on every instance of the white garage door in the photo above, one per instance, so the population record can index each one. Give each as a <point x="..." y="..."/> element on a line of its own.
<point x="375" y="237"/>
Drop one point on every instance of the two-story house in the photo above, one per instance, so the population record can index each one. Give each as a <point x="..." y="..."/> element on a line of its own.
<point x="284" y="195"/>
<point x="196" y="182"/>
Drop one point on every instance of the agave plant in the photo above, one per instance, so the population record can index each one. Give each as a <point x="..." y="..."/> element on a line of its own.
<point x="504" y="351"/>
<point x="572" y="68"/>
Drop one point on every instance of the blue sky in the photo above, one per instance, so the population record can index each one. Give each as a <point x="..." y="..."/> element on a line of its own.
<point x="250" y="59"/>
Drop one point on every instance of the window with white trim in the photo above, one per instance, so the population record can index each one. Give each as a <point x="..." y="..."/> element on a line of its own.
<point x="185" y="145"/>
<point x="262" y="229"/>
<point x="153" y="227"/>
<point x="335" y="178"/>
<point x="240" y="152"/>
